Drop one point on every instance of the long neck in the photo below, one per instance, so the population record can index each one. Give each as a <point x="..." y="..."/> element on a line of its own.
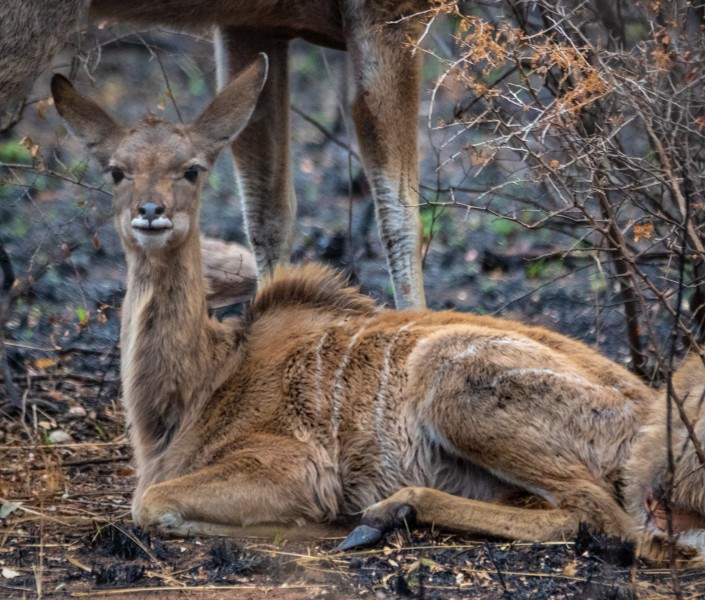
<point x="166" y="347"/>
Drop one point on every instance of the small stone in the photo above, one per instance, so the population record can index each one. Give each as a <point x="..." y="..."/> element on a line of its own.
<point x="9" y="573"/>
<point x="76" y="412"/>
<point x="59" y="436"/>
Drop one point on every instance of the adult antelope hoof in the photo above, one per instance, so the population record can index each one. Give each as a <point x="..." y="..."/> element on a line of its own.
<point x="362" y="535"/>
<point x="378" y="520"/>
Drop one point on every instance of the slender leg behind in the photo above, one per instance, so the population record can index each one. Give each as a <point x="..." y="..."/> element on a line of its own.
<point x="385" y="111"/>
<point x="261" y="151"/>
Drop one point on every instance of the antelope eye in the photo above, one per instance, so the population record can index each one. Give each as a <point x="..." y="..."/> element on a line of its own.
<point x="191" y="174"/>
<point x="117" y="174"/>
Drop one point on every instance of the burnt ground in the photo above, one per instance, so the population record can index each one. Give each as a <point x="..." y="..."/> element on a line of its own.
<point x="70" y="535"/>
<point x="65" y="474"/>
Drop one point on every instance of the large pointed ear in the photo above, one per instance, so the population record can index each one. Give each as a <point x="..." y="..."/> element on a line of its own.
<point x="86" y="120"/>
<point x="230" y="110"/>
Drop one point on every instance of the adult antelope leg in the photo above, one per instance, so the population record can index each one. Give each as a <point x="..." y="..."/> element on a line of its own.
<point x="385" y="112"/>
<point x="270" y="480"/>
<point x="427" y="506"/>
<point x="262" y="150"/>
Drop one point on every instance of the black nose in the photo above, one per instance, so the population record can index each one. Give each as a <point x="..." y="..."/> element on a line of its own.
<point x="150" y="211"/>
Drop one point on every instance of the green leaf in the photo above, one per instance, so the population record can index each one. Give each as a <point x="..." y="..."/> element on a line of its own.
<point x="82" y="315"/>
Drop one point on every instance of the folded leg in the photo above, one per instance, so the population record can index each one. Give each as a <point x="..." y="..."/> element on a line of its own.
<point x="271" y="480"/>
<point x="427" y="506"/>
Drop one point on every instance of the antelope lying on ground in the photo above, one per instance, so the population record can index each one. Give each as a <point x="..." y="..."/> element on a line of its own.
<point x="385" y="107"/>
<point x="318" y="404"/>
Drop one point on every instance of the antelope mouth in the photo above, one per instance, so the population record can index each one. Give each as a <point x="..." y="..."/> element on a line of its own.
<point x="153" y="226"/>
<point x="681" y="519"/>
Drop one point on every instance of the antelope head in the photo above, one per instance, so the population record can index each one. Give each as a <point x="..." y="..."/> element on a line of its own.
<point x="157" y="168"/>
<point x="668" y="496"/>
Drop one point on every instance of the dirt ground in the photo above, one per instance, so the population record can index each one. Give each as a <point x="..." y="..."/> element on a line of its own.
<point x="70" y="535"/>
<point x="65" y="474"/>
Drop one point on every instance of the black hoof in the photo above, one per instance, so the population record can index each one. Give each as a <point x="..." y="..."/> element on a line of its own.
<point x="362" y="535"/>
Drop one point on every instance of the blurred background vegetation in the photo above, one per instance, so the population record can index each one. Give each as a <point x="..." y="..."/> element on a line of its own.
<point x="561" y="150"/>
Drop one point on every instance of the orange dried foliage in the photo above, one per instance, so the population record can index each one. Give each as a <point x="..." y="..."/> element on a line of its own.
<point x="644" y="231"/>
<point x="661" y="59"/>
<point x="34" y="151"/>
<point x="504" y="47"/>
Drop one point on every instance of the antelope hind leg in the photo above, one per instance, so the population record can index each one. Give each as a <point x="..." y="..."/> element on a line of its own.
<point x="427" y="506"/>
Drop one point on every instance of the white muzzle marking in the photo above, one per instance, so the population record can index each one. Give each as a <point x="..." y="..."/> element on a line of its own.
<point x="158" y="224"/>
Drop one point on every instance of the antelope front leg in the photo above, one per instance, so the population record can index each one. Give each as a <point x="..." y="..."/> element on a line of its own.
<point x="427" y="506"/>
<point x="273" y="480"/>
<point x="261" y="151"/>
<point x="385" y="112"/>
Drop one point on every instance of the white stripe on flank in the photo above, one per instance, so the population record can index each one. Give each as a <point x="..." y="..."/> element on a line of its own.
<point x="338" y="383"/>
<point x="319" y="372"/>
<point x="473" y="350"/>
<point x="557" y="375"/>
<point x="381" y="400"/>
